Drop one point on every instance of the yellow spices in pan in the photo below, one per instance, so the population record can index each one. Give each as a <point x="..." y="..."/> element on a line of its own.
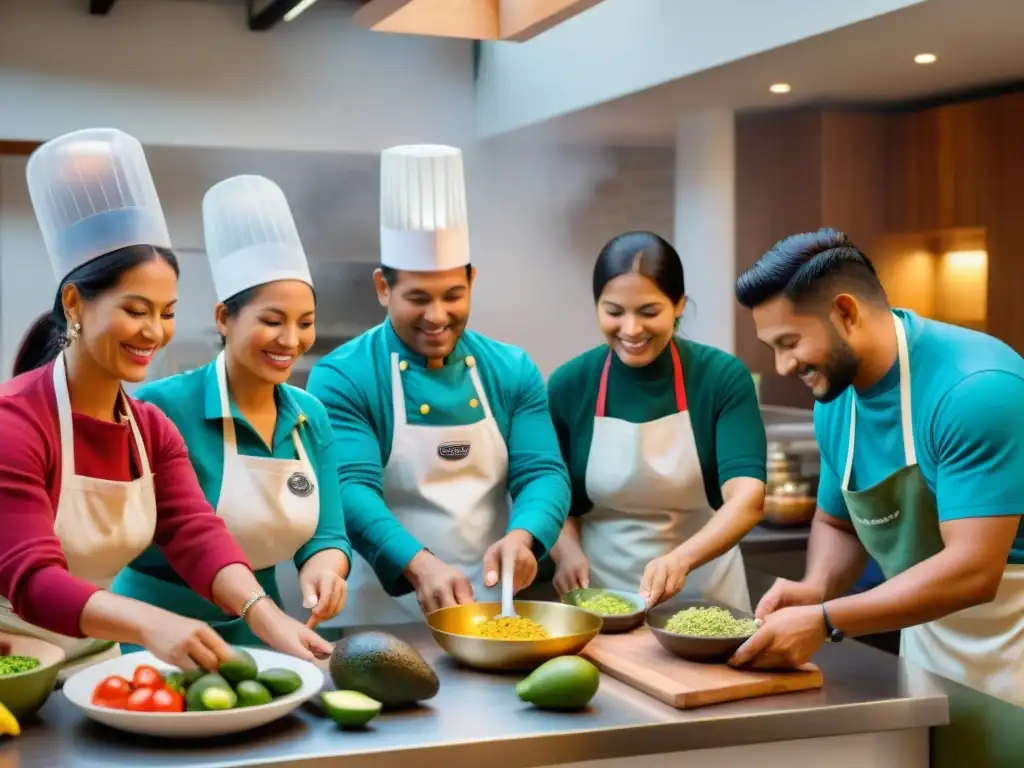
<point x="513" y="628"/>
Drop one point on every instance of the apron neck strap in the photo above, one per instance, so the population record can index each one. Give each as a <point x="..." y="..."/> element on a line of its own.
<point x="906" y="414"/>
<point x="677" y="382"/>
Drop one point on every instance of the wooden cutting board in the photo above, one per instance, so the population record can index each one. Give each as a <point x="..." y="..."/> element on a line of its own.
<point x="638" y="660"/>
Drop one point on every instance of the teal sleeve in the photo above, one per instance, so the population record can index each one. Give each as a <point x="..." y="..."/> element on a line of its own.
<point x="375" y="532"/>
<point x="742" y="447"/>
<point x="560" y="408"/>
<point x="330" y="530"/>
<point x="537" y="477"/>
<point x="830" y="495"/>
<point x="978" y="439"/>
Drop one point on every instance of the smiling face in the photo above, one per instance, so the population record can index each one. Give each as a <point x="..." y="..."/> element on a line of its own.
<point x="272" y="330"/>
<point x="428" y="310"/>
<point x="637" y="318"/>
<point x="817" y="348"/>
<point x="124" y="327"/>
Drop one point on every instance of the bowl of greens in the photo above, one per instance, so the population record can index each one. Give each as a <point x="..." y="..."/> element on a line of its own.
<point x="28" y="672"/>
<point x="620" y="611"/>
<point x="700" y="630"/>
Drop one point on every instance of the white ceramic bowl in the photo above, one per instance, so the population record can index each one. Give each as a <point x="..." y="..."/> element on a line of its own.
<point x="179" y="725"/>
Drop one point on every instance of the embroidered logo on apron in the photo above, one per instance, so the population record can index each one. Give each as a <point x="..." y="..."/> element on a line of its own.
<point x="453" y="451"/>
<point x="299" y="484"/>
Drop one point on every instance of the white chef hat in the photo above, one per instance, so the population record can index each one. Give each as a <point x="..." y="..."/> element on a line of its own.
<point x="93" y="193"/>
<point x="423" y="219"/>
<point x="251" y="238"/>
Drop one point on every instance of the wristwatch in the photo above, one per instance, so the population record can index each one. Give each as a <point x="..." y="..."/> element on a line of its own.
<point x="834" y="635"/>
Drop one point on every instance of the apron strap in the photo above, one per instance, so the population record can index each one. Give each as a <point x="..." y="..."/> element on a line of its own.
<point x="479" y="387"/>
<point x="677" y="383"/>
<point x="230" y="442"/>
<point x="397" y="393"/>
<point x="64" y="419"/>
<point x="906" y="414"/>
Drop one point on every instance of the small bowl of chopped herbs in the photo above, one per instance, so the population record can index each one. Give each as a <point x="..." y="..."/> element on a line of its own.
<point x="28" y="672"/>
<point x="700" y="630"/>
<point x="619" y="611"/>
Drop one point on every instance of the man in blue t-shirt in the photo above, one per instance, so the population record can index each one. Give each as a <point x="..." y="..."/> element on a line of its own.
<point x="920" y="427"/>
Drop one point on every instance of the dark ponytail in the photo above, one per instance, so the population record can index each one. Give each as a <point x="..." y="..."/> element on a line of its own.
<point x="46" y="336"/>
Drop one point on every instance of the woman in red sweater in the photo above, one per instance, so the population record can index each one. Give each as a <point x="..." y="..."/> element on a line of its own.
<point x="89" y="477"/>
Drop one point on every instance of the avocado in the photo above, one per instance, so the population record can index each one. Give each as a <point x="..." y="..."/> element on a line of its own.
<point x="280" y="681"/>
<point x="252" y="694"/>
<point x="192" y="675"/>
<point x="565" y="682"/>
<point x="242" y="667"/>
<point x="194" y="698"/>
<point x="384" y="668"/>
<point x="215" y="698"/>
<point x="350" y="709"/>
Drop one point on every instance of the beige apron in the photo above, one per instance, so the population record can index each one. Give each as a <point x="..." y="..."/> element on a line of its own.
<point x="271" y="507"/>
<point x="897" y="521"/>
<point x="647" y="490"/>
<point x="448" y="486"/>
<point x="102" y="525"/>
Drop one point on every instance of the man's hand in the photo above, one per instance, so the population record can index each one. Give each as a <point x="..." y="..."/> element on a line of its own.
<point x="787" y="594"/>
<point x="788" y="638"/>
<point x="437" y="584"/>
<point x="663" y="578"/>
<point x="517" y="546"/>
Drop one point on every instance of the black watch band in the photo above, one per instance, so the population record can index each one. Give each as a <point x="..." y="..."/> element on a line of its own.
<point x="831" y="633"/>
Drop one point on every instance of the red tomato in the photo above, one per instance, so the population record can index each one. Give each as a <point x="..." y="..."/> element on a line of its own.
<point x="147" y="677"/>
<point x="117" y="703"/>
<point x="167" y="700"/>
<point x="112" y="689"/>
<point x="141" y="700"/>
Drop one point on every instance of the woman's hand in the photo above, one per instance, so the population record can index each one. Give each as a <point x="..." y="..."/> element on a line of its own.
<point x="184" y="643"/>
<point x="325" y="593"/>
<point x="663" y="578"/>
<point x="283" y="633"/>
<point x="573" y="571"/>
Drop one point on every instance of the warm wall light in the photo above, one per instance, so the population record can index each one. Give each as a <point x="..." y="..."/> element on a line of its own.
<point x="780" y="88"/>
<point x="962" y="288"/>
<point x="925" y="58"/>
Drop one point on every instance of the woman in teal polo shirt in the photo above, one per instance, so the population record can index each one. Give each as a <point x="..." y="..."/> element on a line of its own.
<point x="663" y="439"/>
<point x="263" y="450"/>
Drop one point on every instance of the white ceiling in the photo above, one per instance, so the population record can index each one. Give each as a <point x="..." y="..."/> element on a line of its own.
<point x="978" y="43"/>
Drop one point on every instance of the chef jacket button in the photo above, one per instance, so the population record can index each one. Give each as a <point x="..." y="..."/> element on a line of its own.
<point x="403" y="365"/>
<point x="474" y="403"/>
<point x="424" y="409"/>
<point x="470" y="361"/>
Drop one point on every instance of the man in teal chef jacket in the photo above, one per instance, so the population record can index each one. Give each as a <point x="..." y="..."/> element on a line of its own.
<point x="449" y="465"/>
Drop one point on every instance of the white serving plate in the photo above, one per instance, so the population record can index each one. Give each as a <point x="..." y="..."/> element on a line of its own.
<point x="180" y="725"/>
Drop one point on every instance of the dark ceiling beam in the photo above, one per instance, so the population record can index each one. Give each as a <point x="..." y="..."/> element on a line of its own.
<point x="100" y="7"/>
<point x="265" y="14"/>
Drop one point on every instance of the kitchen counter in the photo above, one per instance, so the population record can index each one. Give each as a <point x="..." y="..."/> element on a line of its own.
<point x="873" y="710"/>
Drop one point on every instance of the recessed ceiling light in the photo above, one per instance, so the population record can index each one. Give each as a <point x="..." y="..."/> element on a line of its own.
<point x="780" y="88"/>
<point x="925" y="58"/>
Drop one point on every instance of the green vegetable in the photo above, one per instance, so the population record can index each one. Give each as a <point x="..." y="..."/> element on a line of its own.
<point x="384" y="668"/>
<point x="709" y="621"/>
<point x="565" y="683"/>
<point x="252" y="694"/>
<point x="280" y="681"/>
<point x="13" y="665"/>
<point x="194" y="701"/>
<point x="176" y="682"/>
<point x="242" y="667"/>
<point x="350" y="709"/>
<point x="216" y="698"/>
<point x="608" y="605"/>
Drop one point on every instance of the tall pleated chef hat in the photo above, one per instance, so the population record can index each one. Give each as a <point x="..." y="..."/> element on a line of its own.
<point x="423" y="218"/>
<point x="251" y="238"/>
<point x="93" y="193"/>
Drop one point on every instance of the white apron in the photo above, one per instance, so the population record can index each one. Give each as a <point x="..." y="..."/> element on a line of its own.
<point x="448" y="486"/>
<point x="647" y="490"/>
<point x="271" y="506"/>
<point x="102" y="525"/>
<point x="897" y="521"/>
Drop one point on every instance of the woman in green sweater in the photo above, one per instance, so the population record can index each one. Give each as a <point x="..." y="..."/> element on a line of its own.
<point x="663" y="439"/>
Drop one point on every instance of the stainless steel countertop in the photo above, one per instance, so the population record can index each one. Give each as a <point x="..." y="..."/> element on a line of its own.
<point x="477" y="718"/>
